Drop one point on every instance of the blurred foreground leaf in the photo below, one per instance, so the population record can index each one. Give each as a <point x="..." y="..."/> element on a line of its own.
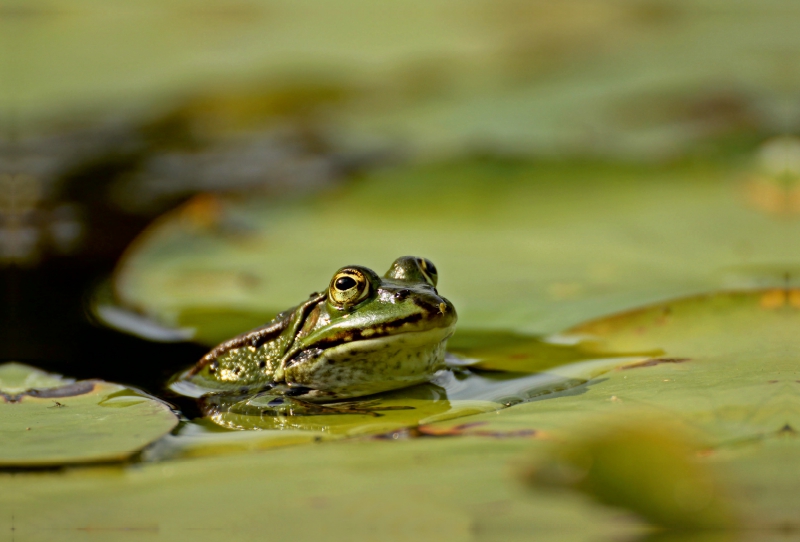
<point x="395" y="490"/>
<point x="648" y="468"/>
<point x="609" y="78"/>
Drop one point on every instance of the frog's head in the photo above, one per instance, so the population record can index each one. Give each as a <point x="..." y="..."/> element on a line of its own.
<point x="371" y="334"/>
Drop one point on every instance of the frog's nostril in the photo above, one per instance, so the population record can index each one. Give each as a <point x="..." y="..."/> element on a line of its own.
<point x="402" y="294"/>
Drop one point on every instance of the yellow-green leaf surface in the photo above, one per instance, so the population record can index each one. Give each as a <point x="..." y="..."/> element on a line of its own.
<point x="531" y="247"/>
<point x="714" y="421"/>
<point x="49" y="420"/>
<point x="426" y="489"/>
<point x="729" y="377"/>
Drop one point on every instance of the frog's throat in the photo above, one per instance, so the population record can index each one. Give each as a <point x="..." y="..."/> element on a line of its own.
<point x="299" y="352"/>
<point x="368" y="366"/>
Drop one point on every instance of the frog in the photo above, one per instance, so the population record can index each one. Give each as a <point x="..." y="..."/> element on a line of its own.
<point x="365" y="334"/>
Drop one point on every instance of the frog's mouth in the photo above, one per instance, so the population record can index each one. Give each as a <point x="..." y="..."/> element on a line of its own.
<point x="433" y="312"/>
<point x="353" y="335"/>
<point x="366" y="363"/>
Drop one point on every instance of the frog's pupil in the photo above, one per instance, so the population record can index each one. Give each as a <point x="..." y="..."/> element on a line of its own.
<point x="345" y="283"/>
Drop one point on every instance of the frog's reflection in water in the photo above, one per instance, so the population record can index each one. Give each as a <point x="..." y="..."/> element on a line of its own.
<point x="452" y="393"/>
<point x="371" y="414"/>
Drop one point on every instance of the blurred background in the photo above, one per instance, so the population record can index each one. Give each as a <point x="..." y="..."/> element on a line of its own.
<point x="115" y="113"/>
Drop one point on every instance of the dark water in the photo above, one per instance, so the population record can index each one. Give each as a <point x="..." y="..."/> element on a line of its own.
<point x="44" y="321"/>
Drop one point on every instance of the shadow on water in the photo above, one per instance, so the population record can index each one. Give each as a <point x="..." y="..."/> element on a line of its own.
<point x="43" y="320"/>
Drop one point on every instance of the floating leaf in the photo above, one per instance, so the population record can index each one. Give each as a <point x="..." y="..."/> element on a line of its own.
<point x="549" y="255"/>
<point x="728" y="374"/>
<point x="17" y="378"/>
<point x="50" y="420"/>
<point x="512" y="352"/>
<point x="386" y="489"/>
<point x="203" y="438"/>
<point x="487" y="75"/>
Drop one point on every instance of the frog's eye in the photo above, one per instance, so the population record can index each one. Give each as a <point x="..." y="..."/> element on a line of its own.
<point x="348" y="287"/>
<point x="429" y="270"/>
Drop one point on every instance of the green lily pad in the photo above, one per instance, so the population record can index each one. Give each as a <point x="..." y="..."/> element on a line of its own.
<point x="548" y="259"/>
<point x="50" y="420"/>
<point x="17" y="378"/>
<point x="403" y="490"/>
<point x="727" y="365"/>
<point x="728" y="377"/>
<point x="513" y="352"/>
<point x="204" y="438"/>
<point x="725" y="383"/>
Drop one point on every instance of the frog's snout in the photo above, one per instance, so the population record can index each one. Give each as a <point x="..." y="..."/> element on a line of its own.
<point x="437" y="308"/>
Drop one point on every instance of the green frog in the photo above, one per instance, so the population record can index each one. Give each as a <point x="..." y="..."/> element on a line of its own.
<point x="365" y="334"/>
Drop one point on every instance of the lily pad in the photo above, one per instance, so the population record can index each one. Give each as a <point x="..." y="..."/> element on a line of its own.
<point x="728" y="377"/>
<point x="550" y="257"/>
<point x="394" y="490"/>
<point x="50" y="420"/>
<point x="727" y="364"/>
<point x="724" y="381"/>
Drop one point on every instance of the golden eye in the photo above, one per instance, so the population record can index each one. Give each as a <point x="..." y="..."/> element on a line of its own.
<point x="348" y="287"/>
<point x="428" y="270"/>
